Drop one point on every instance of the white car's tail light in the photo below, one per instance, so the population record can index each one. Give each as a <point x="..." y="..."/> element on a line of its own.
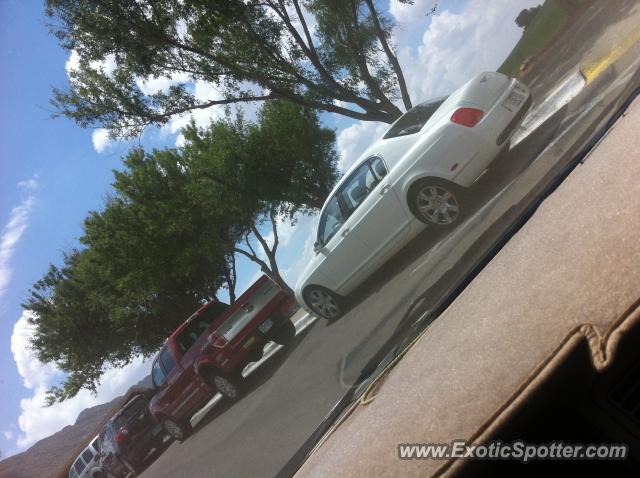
<point x="468" y="117"/>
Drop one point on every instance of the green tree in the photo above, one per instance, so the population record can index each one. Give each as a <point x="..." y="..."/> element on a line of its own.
<point x="146" y="265"/>
<point x="250" y="50"/>
<point x="81" y="323"/>
<point x="524" y="18"/>
<point x="168" y="236"/>
<point x="257" y="175"/>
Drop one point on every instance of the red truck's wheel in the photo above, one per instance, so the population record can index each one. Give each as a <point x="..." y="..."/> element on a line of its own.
<point x="133" y="468"/>
<point x="285" y="333"/>
<point x="178" y="431"/>
<point x="229" y="387"/>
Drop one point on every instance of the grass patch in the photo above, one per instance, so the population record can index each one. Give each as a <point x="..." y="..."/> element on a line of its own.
<point x="544" y="26"/>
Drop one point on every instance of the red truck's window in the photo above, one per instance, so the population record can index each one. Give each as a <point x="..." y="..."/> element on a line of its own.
<point x="168" y="362"/>
<point x="212" y="312"/>
<point x="132" y="410"/>
<point x="248" y="310"/>
<point x="197" y="326"/>
<point x="157" y="374"/>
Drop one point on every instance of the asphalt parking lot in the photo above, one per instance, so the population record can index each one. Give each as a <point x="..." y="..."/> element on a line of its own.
<point x="293" y="389"/>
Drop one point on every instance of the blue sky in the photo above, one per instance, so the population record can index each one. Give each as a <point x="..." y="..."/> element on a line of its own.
<point x="52" y="173"/>
<point x="70" y="177"/>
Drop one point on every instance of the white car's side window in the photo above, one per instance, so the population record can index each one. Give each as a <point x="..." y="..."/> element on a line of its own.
<point x="378" y="167"/>
<point x="358" y="187"/>
<point x="330" y="221"/>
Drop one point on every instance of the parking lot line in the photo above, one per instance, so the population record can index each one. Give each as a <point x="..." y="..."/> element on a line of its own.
<point x="591" y="70"/>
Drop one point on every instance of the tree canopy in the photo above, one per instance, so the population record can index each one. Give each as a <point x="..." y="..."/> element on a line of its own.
<point x="330" y="55"/>
<point x="261" y="174"/>
<point x="524" y="18"/>
<point x="169" y="233"/>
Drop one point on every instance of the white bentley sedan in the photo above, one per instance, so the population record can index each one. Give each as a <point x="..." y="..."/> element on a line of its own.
<point x="415" y="175"/>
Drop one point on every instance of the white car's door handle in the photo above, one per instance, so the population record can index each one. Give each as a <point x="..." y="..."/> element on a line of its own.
<point x="385" y="189"/>
<point x="344" y="232"/>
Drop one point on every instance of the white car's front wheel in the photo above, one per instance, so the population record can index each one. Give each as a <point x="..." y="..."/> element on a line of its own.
<point x="436" y="202"/>
<point x="323" y="302"/>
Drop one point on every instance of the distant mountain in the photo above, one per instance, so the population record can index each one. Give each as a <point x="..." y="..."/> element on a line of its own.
<point x="52" y="456"/>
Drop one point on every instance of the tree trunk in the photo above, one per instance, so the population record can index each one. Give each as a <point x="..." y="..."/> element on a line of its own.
<point x="274" y="273"/>
<point x="230" y="278"/>
<point x="271" y="269"/>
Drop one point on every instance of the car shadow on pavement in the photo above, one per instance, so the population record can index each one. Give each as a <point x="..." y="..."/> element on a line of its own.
<point x="155" y="454"/>
<point x="253" y="381"/>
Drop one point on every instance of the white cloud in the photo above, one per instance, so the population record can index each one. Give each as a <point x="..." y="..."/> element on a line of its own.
<point x="100" y="139"/>
<point x="353" y="140"/>
<point x="155" y="84"/>
<point x="100" y="136"/>
<point x="180" y="141"/>
<point x="8" y="435"/>
<point x="107" y="64"/>
<point x="203" y="92"/>
<point x="457" y="46"/>
<point x="37" y="421"/>
<point x="29" y="184"/>
<point x="307" y="229"/>
<point x="12" y="232"/>
<point x="285" y="229"/>
<point x="411" y="13"/>
<point x="72" y="62"/>
<point x="34" y="373"/>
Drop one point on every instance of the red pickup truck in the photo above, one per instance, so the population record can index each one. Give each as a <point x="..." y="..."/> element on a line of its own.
<point x="208" y="352"/>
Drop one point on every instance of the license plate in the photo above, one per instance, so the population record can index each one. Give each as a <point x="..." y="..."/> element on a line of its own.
<point x="266" y="326"/>
<point x="514" y="100"/>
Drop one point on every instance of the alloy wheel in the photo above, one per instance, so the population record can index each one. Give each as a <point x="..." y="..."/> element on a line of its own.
<point x="438" y="205"/>
<point x="227" y="388"/>
<point x="324" y="304"/>
<point x="129" y="466"/>
<point x="174" y="429"/>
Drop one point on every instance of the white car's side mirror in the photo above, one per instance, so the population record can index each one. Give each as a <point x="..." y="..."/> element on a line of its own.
<point x="317" y="247"/>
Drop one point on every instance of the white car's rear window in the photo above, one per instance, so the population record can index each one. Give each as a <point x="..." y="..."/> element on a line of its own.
<point x="413" y="120"/>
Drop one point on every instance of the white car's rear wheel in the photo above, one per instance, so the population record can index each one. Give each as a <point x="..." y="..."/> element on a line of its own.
<point x="435" y="202"/>
<point x="323" y="302"/>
